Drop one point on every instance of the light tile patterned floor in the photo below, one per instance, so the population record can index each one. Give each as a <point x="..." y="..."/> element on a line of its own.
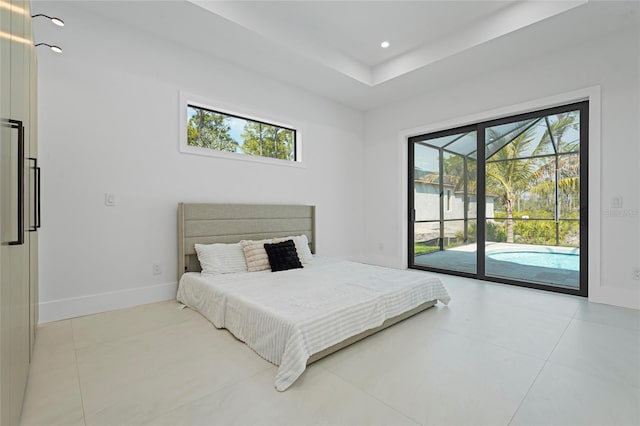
<point x="497" y="355"/>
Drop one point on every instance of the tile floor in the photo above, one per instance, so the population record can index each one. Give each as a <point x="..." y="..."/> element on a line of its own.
<point x="497" y="355"/>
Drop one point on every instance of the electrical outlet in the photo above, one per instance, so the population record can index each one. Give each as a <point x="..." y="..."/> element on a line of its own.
<point x="635" y="273"/>
<point x="157" y="270"/>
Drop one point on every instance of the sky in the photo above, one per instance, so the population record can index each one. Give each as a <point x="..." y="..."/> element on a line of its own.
<point x="236" y="124"/>
<point x="427" y="158"/>
<point x="237" y="127"/>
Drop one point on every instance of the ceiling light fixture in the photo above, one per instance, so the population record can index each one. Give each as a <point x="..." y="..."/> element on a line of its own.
<point x="385" y="44"/>
<point x="53" y="47"/>
<point x="59" y="22"/>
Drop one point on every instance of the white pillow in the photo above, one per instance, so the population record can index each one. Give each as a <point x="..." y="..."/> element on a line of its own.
<point x="256" y="255"/>
<point x="302" y="247"/>
<point x="221" y="258"/>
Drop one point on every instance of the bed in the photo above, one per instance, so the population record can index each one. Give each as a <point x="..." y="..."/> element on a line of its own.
<point x="295" y="317"/>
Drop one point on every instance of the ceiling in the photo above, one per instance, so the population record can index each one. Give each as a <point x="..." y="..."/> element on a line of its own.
<point x="332" y="48"/>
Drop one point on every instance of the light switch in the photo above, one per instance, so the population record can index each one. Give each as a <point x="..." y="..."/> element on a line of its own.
<point x="616" y="202"/>
<point x="109" y="199"/>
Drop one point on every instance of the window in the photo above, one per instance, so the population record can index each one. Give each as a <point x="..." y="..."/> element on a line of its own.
<point x="221" y="133"/>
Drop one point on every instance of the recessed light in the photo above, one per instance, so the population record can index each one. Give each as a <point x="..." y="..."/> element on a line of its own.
<point x="385" y="44"/>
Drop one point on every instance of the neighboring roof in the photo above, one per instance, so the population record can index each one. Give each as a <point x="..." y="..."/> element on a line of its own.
<point x="449" y="180"/>
<point x="434" y="179"/>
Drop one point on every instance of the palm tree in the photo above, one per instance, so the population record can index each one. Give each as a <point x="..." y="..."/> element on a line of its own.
<point x="568" y="166"/>
<point x="510" y="173"/>
<point x="509" y="179"/>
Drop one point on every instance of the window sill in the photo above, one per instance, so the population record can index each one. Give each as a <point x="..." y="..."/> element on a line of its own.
<point x="194" y="150"/>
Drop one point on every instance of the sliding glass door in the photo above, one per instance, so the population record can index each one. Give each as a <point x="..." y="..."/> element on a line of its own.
<point x="530" y="172"/>
<point x="444" y="201"/>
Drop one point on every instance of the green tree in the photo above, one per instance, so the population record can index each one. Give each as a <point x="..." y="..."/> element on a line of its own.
<point x="568" y="167"/>
<point x="267" y="141"/>
<point x="509" y="175"/>
<point x="208" y="129"/>
<point x="454" y="172"/>
<point x="509" y="178"/>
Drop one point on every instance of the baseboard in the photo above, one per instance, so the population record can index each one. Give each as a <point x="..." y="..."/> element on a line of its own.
<point x="616" y="296"/>
<point x="56" y="310"/>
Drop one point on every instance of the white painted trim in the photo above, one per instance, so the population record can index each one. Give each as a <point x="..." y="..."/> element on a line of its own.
<point x="223" y="107"/>
<point x="73" y="307"/>
<point x="593" y="95"/>
<point x="501" y="23"/>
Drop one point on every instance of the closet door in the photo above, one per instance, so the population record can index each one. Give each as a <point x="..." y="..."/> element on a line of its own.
<point x="6" y="135"/>
<point x="14" y="208"/>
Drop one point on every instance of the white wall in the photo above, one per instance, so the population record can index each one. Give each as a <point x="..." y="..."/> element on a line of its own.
<point x="109" y="122"/>
<point x="610" y="62"/>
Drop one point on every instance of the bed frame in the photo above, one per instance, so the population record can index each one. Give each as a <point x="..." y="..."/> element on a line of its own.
<point x="230" y="223"/>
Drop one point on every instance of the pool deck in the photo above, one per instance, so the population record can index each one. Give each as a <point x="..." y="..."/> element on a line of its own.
<point x="463" y="259"/>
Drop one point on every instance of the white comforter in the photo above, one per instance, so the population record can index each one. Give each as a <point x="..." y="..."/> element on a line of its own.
<point x="288" y="316"/>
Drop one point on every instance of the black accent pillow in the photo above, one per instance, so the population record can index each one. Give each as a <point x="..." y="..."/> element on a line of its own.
<point x="283" y="256"/>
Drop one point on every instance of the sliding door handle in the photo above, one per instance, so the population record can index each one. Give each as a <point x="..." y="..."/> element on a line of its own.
<point x="17" y="125"/>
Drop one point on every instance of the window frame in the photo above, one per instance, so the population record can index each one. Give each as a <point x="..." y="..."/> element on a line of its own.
<point x="189" y="100"/>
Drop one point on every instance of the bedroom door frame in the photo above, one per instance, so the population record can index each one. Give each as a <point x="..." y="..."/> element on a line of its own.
<point x="481" y="126"/>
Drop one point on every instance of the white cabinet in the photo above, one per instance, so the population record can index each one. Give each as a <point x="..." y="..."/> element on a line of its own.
<point x="18" y="205"/>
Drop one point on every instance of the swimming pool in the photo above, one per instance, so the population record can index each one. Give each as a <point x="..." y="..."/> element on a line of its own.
<point x="566" y="261"/>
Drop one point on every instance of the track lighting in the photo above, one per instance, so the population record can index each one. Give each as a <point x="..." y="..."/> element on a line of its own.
<point x="59" y="22"/>
<point x="55" y="48"/>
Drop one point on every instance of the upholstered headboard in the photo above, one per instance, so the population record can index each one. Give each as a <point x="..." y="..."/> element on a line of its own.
<point x="230" y="223"/>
